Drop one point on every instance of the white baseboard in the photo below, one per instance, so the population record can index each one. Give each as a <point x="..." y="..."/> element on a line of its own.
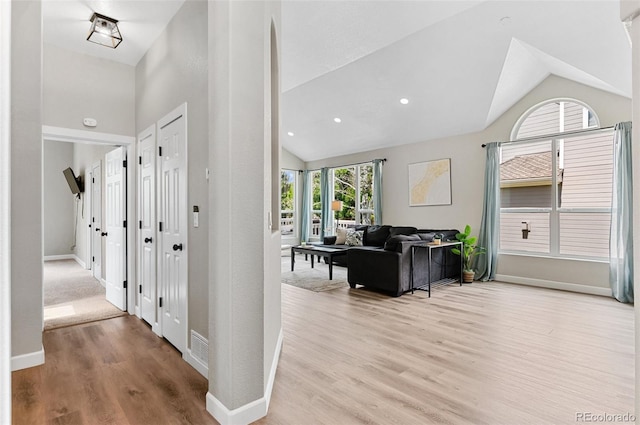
<point x="79" y="261"/>
<point x="564" y="286"/>
<point x="196" y="364"/>
<point x="28" y="360"/>
<point x="59" y="257"/>
<point x="103" y="283"/>
<point x="250" y="412"/>
<point x="274" y="367"/>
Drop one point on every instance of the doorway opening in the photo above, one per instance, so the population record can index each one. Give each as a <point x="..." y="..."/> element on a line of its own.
<point x="84" y="226"/>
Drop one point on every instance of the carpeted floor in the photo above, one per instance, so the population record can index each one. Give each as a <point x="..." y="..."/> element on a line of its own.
<point x="316" y="279"/>
<point x="72" y="296"/>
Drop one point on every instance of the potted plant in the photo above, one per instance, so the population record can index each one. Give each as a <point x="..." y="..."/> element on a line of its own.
<point x="469" y="251"/>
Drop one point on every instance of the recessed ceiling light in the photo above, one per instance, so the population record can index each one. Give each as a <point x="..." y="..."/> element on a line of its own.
<point x="290" y="133"/>
<point x="338" y="120"/>
<point x="404" y="100"/>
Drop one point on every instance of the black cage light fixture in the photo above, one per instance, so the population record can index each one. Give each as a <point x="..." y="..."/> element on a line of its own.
<point x="104" y="31"/>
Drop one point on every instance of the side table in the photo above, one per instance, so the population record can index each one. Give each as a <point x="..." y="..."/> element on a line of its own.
<point x="429" y="248"/>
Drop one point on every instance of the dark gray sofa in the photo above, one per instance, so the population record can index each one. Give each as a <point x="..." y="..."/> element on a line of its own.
<point x="384" y="261"/>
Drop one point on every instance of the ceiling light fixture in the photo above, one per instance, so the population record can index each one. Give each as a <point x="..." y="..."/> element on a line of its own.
<point x="338" y="120"/>
<point x="404" y="101"/>
<point x="104" y="31"/>
<point x="290" y="133"/>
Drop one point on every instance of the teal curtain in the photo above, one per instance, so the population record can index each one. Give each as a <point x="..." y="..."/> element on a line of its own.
<point x="621" y="238"/>
<point x="325" y="193"/>
<point x="306" y="207"/>
<point x="489" y="234"/>
<point x="377" y="190"/>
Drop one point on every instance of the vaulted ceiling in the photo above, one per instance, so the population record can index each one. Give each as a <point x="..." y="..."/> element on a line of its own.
<point x="460" y="64"/>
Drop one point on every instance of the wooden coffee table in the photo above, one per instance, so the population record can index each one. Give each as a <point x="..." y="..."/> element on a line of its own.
<point x="320" y="251"/>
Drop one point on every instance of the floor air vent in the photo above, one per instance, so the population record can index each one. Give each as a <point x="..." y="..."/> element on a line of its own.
<point x="199" y="348"/>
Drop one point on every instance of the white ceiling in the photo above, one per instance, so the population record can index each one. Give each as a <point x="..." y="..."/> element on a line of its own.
<point x="66" y="24"/>
<point x="460" y="64"/>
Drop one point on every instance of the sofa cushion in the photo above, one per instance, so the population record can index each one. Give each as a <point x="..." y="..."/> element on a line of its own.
<point x="392" y="244"/>
<point x="341" y="236"/>
<point x="354" y="237"/>
<point x="402" y="230"/>
<point x="375" y="235"/>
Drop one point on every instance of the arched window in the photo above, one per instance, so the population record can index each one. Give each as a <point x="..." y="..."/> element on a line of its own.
<point x="555" y="116"/>
<point x="555" y="182"/>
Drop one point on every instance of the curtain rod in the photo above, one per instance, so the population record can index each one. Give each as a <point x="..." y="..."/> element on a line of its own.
<point x="556" y="135"/>
<point x="346" y="165"/>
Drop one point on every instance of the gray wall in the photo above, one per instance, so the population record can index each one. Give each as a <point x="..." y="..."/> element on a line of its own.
<point x="58" y="201"/>
<point x="77" y="86"/>
<point x="26" y="178"/>
<point x="467" y="177"/>
<point x="172" y="72"/>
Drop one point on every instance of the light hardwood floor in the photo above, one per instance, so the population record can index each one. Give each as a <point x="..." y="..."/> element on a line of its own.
<point x="485" y="353"/>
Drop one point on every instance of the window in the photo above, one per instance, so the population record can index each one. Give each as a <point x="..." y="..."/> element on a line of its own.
<point x="287" y="202"/>
<point x="316" y="206"/>
<point x="353" y="185"/>
<point x="556" y="191"/>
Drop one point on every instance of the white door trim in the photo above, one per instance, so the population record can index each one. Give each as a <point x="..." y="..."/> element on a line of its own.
<point x="5" y="212"/>
<point x="61" y="134"/>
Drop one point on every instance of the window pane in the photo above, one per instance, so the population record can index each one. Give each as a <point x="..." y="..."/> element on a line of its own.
<point x="525" y="175"/>
<point x="573" y="116"/>
<point x="287" y="201"/>
<point x="366" y="194"/>
<point x="344" y="189"/>
<point x="544" y="120"/>
<point x="556" y="117"/>
<point x="511" y="225"/>
<point x="587" y="177"/>
<point x="316" y="206"/>
<point x="585" y="234"/>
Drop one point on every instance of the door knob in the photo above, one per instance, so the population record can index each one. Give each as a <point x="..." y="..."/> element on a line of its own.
<point x="177" y="247"/>
<point x="97" y="230"/>
<point x="147" y="240"/>
<point x="103" y="233"/>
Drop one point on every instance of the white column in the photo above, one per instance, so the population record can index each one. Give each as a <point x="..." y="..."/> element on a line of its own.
<point x="244" y="263"/>
<point x="5" y="212"/>
<point x="630" y="12"/>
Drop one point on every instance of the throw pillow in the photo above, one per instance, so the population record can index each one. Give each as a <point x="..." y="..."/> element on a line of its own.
<point x="341" y="236"/>
<point x="376" y="235"/>
<point x="354" y="237"/>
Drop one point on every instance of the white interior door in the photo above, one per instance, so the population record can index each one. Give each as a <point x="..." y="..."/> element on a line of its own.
<point x="96" y="220"/>
<point x="172" y="260"/>
<point x="147" y="239"/>
<point x="115" y="228"/>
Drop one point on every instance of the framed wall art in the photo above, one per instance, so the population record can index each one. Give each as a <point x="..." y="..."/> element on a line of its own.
<point x="430" y="183"/>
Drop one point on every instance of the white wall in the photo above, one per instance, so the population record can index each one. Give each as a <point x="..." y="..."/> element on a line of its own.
<point x="26" y="182"/>
<point x="467" y="179"/>
<point x="77" y="86"/>
<point x="58" y="202"/>
<point x="172" y="72"/>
